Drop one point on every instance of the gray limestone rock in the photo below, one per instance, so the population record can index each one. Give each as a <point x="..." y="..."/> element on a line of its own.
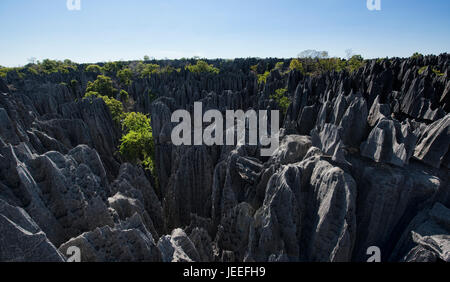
<point x="126" y="241"/>
<point x="21" y="238"/>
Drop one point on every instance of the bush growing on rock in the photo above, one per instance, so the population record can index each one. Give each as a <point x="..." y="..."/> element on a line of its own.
<point x="331" y="64"/>
<point x="113" y="67"/>
<point x="279" y="66"/>
<point x="94" y="68"/>
<point x="416" y="55"/>
<point x="202" y="67"/>
<point x="4" y="71"/>
<point x="125" y="76"/>
<point x="103" y="85"/>
<point x="437" y="72"/>
<point x="124" y="95"/>
<point x="296" y="65"/>
<point x="282" y="99"/>
<point x="169" y="69"/>
<point x="115" y="107"/>
<point x="262" y="78"/>
<point x="355" y="62"/>
<point x="50" y="66"/>
<point x="45" y="67"/>
<point x="136" y="122"/>
<point x="136" y="145"/>
<point x="317" y="66"/>
<point x="433" y="69"/>
<point x="146" y="70"/>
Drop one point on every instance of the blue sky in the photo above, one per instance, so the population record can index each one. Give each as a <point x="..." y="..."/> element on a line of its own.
<point x="106" y="30"/>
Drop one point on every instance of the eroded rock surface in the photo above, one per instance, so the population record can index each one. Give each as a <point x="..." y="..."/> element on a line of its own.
<point x="363" y="160"/>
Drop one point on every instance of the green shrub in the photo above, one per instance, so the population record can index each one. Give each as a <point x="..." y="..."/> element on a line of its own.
<point x="282" y="99"/>
<point x="102" y="85"/>
<point x="125" y="76"/>
<point x="416" y="55"/>
<point x="296" y="65"/>
<point x="422" y="69"/>
<point x="48" y="66"/>
<point x="317" y="66"/>
<point x="124" y="95"/>
<point x="355" y="62"/>
<point x="136" y="122"/>
<point x="262" y="78"/>
<point x="437" y="72"/>
<point x="136" y="145"/>
<point x="202" y="67"/>
<point x="169" y="69"/>
<point x="115" y="107"/>
<point x="146" y="70"/>
<point x="113" y="67"/>
<point x="433" y="69"/>
<point x="279" y="66"/>
<point x="94" y="68"/>
<point x="19" y="71"/>
<point x="33" y="69"/>
<point x="91" y="94"/>
<point x="331" y="64"/>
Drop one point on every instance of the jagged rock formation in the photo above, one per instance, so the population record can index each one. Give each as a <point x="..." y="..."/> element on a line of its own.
<point x="363" y="160"/>
<point x="126" y="241"/>
<point x="426" y="238"/>
<point x="22" y="240"/>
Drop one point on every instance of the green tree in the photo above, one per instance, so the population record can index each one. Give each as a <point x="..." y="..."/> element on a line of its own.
<point x="94" y="68"/>
<point x="125" y="76"/>
<point x="296" y="65"/>
<point x="282" y="99"/>
<point x="279" y="66"/>
<point x="113" y="67"/>
<point x="416" y="55"/>
<point x="136" y="122"/>
<point x="202" y="67"/>
<point x="19" y="71"/>
<point x="115" y="107"/>
<point x="355" y="62"/>
<point x="146" y="70"/>
<point x="136" y="145"/>
<point x="103" y="85"/>
<point x="262" y="78"/>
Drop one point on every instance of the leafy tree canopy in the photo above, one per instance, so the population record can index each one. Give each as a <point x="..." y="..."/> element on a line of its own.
<point x="103" y="85"/>
<point x="202" y="67"/>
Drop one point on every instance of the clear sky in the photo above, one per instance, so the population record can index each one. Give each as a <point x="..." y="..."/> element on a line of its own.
<point x="106" y="30"/>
